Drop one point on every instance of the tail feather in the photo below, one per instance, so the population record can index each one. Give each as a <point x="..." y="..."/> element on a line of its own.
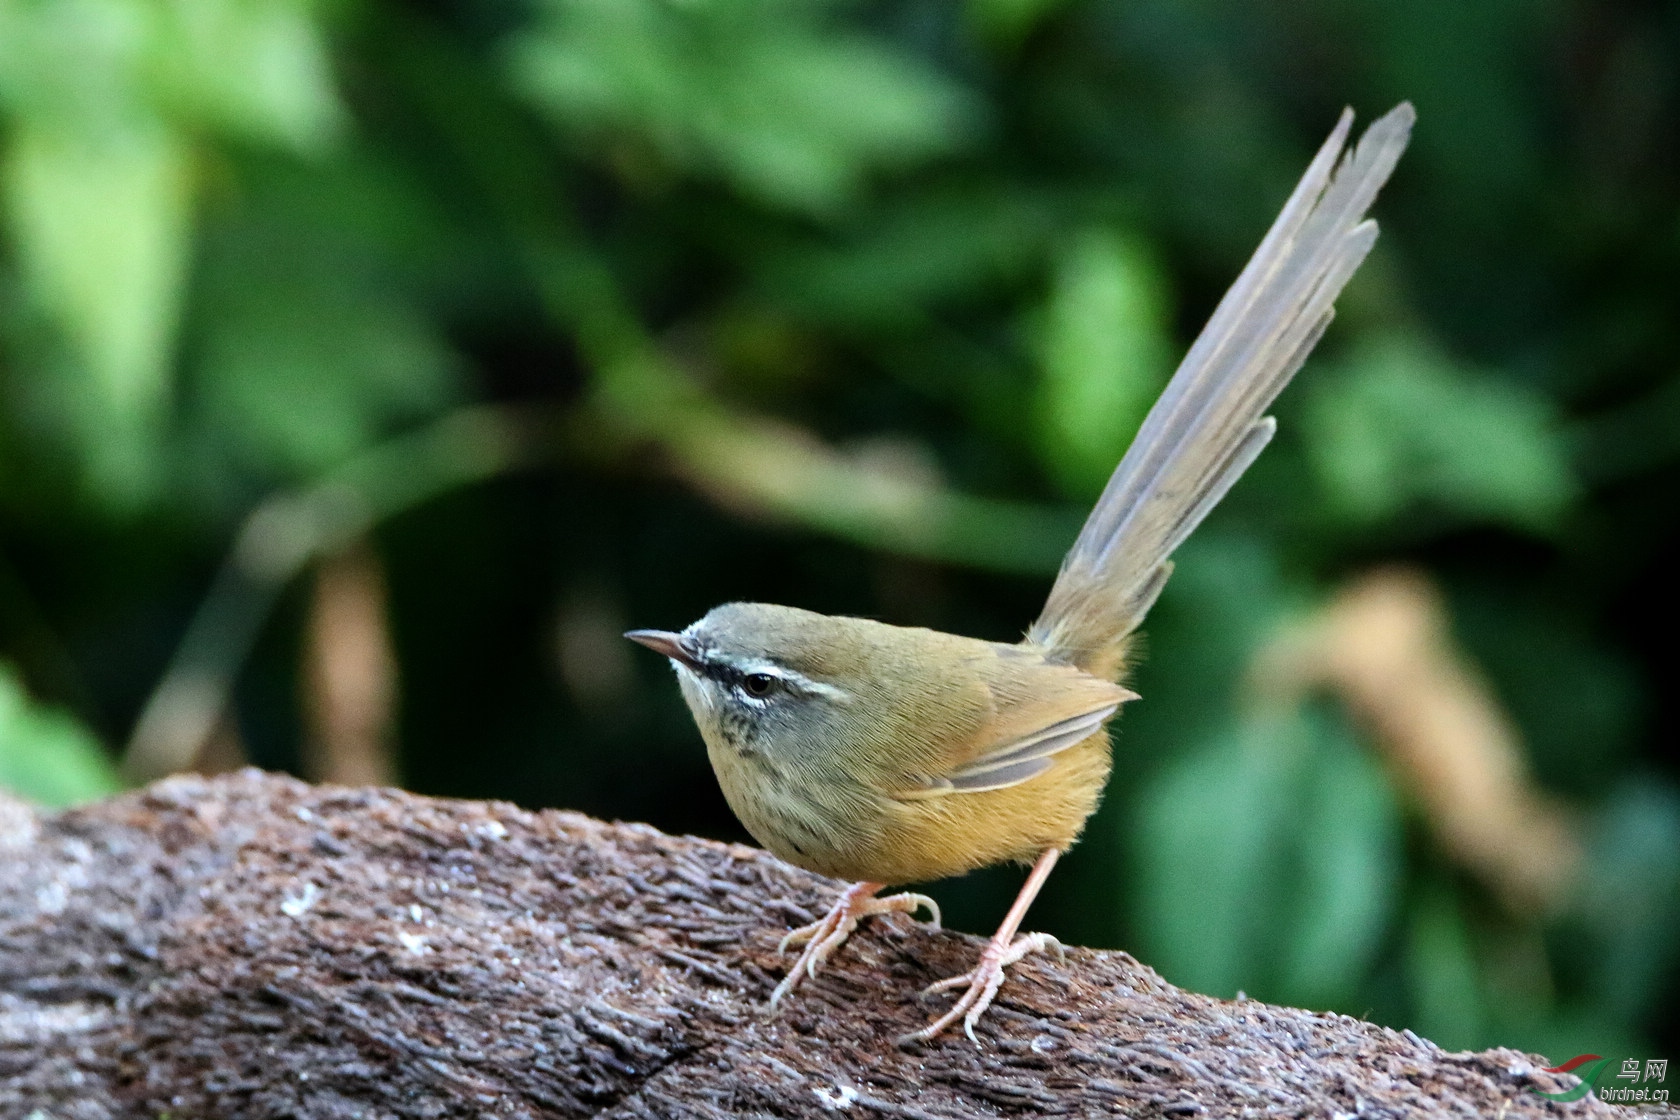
<point x="1208" y="426"/>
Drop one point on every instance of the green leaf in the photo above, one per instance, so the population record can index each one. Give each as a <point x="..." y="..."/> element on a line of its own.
<point x="45" y="755"/>
<point x="1105" y="352"/>
<point x="1269" y="863"/>
<point x="1630" y="898"/>
<point x="1210" y="834"/>
<point x="1228" y="593"/>
<point x="746" y="90"/>
<point x="73" y="64"/>
<point x="1448" y="1007"/>
<point x="312" y="341"/>
<point x="1005" y="23"/>
<point x="102" y="228"/>
<point x="901" y="259"/>
<point x="255" y="67"/>
<point x="1400" y="426"/>
<point x="295" y="378"/>
<point x="1348" y="861"/>
<point x="99" y="181"/>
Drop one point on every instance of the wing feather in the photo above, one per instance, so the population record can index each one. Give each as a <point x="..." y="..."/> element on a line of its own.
<point x="1017" y="760"/>
<point x="1040" y="744"/>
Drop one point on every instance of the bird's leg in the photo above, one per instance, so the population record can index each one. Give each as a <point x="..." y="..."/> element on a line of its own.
<point x="986" y="977"/>
<point x="822" y="937"/>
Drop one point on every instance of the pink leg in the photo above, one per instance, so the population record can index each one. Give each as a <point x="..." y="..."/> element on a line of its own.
<point x="1003" y="950"/>
<point x="822" y="937"/>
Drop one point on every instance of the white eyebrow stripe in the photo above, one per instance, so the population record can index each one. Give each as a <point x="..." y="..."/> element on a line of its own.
<point x="793" y="678"/>
<point x="820" y="689"/>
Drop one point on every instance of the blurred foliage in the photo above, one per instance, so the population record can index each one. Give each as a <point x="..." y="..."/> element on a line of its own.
<point x="105" y="101"/>
<point x="1293" y="835"/>
<point x="1396" y="428"/>
<point x="46" y="755"/>
<point x="1105" y="356"/>
<point x="853" y="306"/>
<point x="755" y="92"/>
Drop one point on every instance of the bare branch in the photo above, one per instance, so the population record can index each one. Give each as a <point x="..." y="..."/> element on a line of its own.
<point x="253" y="946"/>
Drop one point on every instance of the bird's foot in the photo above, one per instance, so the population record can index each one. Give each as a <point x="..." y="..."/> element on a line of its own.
<point x="821" y="938"/>
<point x="983" y="981"/>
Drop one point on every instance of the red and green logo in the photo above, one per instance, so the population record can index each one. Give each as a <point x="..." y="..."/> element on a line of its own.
<point x="1630" y="1081"/>
<point x="1590" y="1067"/>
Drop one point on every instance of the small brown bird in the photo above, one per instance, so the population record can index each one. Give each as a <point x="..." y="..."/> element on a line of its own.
<point x="886" y="754"/>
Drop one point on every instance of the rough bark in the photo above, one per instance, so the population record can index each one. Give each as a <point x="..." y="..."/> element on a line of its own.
<point x="254" y="946"/>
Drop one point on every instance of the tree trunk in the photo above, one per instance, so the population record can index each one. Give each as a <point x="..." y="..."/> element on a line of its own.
<point x="253" y="946"/>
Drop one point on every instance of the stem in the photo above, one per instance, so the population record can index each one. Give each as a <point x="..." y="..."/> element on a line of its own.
<point x="281" y="537"/>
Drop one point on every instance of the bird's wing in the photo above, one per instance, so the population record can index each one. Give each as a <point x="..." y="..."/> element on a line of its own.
<point x="1036" y="711"/>
<point x="1013" y="762"/>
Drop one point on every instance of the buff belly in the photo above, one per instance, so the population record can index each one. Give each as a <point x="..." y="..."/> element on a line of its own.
<point x="849" y="832"/>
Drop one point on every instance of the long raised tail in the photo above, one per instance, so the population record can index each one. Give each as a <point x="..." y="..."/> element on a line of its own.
<point x="1207" y="427"/>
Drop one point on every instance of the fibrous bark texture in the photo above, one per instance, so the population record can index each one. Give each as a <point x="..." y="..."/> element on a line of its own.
<point x="253" y="946"/>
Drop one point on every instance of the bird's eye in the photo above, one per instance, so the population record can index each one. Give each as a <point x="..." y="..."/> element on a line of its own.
<point x="758" y="684"/>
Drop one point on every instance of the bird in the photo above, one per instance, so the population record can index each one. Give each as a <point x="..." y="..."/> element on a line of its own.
<point x="887" y="755"/>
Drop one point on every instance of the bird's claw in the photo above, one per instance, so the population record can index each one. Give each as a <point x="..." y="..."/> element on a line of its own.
<point x="822" y="937"/>
<point x="983" y="981"/>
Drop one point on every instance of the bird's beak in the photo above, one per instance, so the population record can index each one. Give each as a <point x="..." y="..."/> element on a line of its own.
<point x="674" y="646"/>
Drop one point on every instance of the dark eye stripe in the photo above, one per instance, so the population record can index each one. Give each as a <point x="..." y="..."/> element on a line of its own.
<point x="719" y="671"/>
<point x="724" y="673"/>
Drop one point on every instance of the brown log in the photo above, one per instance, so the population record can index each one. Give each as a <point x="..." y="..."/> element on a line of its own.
<point x="253" y="946"/>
